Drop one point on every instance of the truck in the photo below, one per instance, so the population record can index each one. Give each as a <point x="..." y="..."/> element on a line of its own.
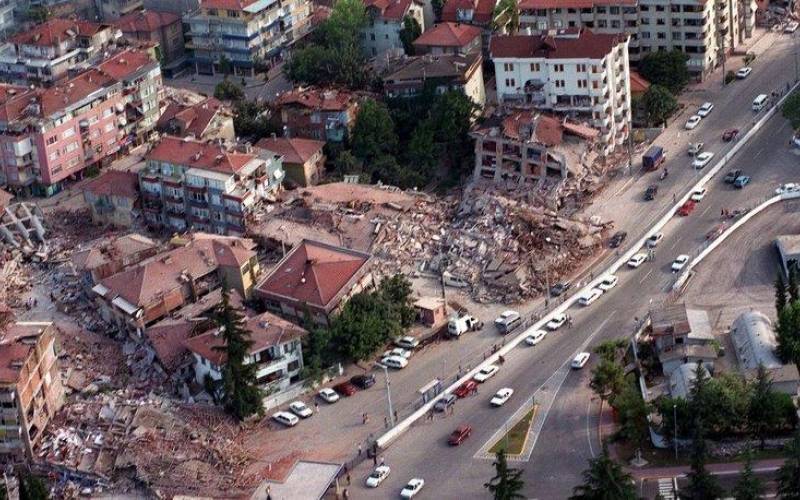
<point x="653" y="158"/>
<point x="461" y="323"/>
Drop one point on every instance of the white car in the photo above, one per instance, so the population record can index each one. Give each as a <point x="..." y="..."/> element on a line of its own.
<point x="744" y="72"/>
<point x="654" y="240"/>
<point x="407" y="342"/>
<point x="680" y="263"/>
<point x="412" y="488"/>
<point x="502" y="396"/>
<point x="702" y="159"/>
<point x="378" y="475"/>
<point x="788" y="188"/>
<point x="486" y="373"/>
<point x="699" y="193"/>
<point x="300" y="409"/>
<point x="791" y="27"/>
<point x="329" y="395"/>
<point x="637" y="260"/>
<point x="397" y="351"/>
<point x="590" y="296"/>
<point x="535" y="337"/>
<point x="608" y="282"/>
<point x="285" y="418"/>
<point x="580" y="360"/>
<point x="693" y="121"/>
<point x="557" y="321"/>
<point x="396" y="362"/>
<point x="705" y="109"/>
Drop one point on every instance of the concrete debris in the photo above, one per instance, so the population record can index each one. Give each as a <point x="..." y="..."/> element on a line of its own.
<point x="22" y="229"/>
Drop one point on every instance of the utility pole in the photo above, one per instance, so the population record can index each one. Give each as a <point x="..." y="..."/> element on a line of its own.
<point x="389" y="396"/>
<point x="722" y="54"/>
<point x="546" y="277"/>
<point x="675" y="424"/>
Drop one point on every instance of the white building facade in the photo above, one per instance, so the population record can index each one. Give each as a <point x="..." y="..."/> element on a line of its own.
<point x="385" y="22"/>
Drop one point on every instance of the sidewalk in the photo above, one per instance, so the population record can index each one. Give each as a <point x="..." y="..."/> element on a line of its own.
<point x="716" y="469"/>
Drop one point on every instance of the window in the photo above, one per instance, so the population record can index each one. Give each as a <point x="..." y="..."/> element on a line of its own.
<point x="659" y="8"/>
<point x="215" y="199"/>
<point x="56" y="169"/>
<point x="52" y="140"/>
<point x="73" y="162"/>
<point x="107" y="112"/>
<point x="111" y="141"/>
<point x="213" y="12"/>
<point x="72" y="146"/>
<point x="660" y="22"/>
<point x="602" y="10"/>
<point x="661" y="36"/>
<point x="233" y="13"/>
<point x="602" y="23"/>
<point x="582" y="84"/>
<point x="558" y="23"/>
<point x="541" y="25"/>
<point x="613" y="10"/>
<point x="595" y="84"/>
<point x="372" y="36"/>
<point x="54" y="155"/>
<point x="559" y="84"/>
<point x="510" y="82"/>
<point x="644" y="8"/>
<point x="582" y="68"/>
<point x="615" y="24"/>
<point x="508" y="66"/>
<point x="95" y="134"/>
<point x="535" y="67"/>
<point x="68" y="133"/>
<point x="93" y="119"/>
<point x="109" y="127"/>
<point x="676" y="35"/>
<point x="558" y="68"/>
<point x="645" y="35"/>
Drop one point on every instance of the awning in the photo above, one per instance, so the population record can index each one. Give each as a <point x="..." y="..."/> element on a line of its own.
<point x="125" y="305"/>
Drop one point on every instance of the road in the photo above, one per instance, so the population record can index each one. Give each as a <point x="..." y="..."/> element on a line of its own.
<point x="569" y="435"/>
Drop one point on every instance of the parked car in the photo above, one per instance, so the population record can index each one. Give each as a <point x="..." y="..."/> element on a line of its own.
<point x="535" y="337"/>
<point x="695" y="147"/>
<point x="328" y="395"/>
<point x="732" y="175"/>
<point x="560" y="288"/>
<point x="693" y="121"/>
<point x="705" y="109"/>
<point x="502" y="396"/>
<point x="741" y="181"/>
<point x="637" y="260"/>
<point x="730" y="134"/>
<point x="445" y="402"/>
<point x="412" y="488"/>
<point x="300" y="409"/>
<point x="791" y="27"/>
<point x="699" y="193"/>
<point x="507" y="321"/>
<point x="363" y="381"/>
<point x="617" y="239"/>
<point x="580" y="360"/>
<point x="608" y="282"/>
<point x="407" y="342"/>
<point x="397" y="351"/>
<point x="466" y="389"/>
<point x="651" y="192"/>
<point x="788" y="188"/>
<point x="396" y="362"/>
<point x="687" y="208"/>
<point x="461" y="433"/>
<point x="589" y="297"/>
<point x="654" y="240"/>
<point x="679" y="263"/>
<point x="285" y="418"/>
<point x="744" y="72"/>
<point x="557" y="321"/>
<point x="486" y="373"/>
<point x="378" y="475"/>
<point x="702" y="159"/>
<point x="345" y="389"/>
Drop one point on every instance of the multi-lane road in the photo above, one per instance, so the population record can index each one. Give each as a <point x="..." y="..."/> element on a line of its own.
<point x="569" y="434"/>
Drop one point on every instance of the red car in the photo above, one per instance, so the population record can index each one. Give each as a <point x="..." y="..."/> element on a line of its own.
<point x="461" y="433"/>
<point x="730" y="134"/>
<point x="686" y="208"/>
<point x="466" y="389"/>
<point x="345" y="389"/>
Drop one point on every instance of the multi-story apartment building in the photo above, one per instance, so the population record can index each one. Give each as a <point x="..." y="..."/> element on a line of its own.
<point x="188" y="183"/>
<point x="698" y="28"/>
<point x="6" y="17"/>
<point x="244" y="32"/>
<point x="30" y="387"/>
<point x="411" y="76"/>
<point x="385" y="22"/>
<point x="111" y="10"/>
<point x="572" y="72"/>
<point x="163" y="28"/>
<point x="45" y="53"/>
<point x="327" y="115"/>
<point x="48" y="135"/>
<point x="481" y="13"/>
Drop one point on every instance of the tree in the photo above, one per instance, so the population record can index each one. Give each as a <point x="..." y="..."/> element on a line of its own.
<point x="702" y="485"/>
<point x="605" y="479"/>
<point x="660" y="104"/>
<point x="423" y="150"/>
<point x="507" y="13"/>
<point x="33" y="487"/>
<point x="607" y="379"/>
<point x="611" y="349"/>
<point x="396" y="290"/>
<point x="780" y="292"/>
<point x="764" y="413"/>
<point x="373" y="133"/>
<point x="250" y="120"/>
<point x="438" y="6"/>
<point x="507" y="482"/>
<point x="789" y="473"/>
<point x="364" y="325"/>
<point x="227" y="89"/>
<point x="788" y="333"/>
<point x="794" y="292"/>
<point x="38" y="14"/>
<point x="665" y="69"/>
<point x="791" y="109"/>
<point x="240" y="395"/>
<point x="750" y="486"/>
<point x="410" y="31"/>
<point x="451" y="117"/>
<point x="347" y="164"/>
<point x="632" y="411"/>
<point x="316" y="349"/>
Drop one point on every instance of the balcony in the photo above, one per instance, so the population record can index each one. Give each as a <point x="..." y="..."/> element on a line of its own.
<point x="152" y="205"/>
<point x="151" y="195"/>
<point x="103" y="208"/>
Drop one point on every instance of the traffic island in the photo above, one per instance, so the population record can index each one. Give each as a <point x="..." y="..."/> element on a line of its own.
<point x="513" y="442"/>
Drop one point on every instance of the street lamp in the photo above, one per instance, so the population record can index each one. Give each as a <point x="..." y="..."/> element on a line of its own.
<point x="675" y="424"/>
<point x="388" y="395"/>
<point x="546" y="277"/>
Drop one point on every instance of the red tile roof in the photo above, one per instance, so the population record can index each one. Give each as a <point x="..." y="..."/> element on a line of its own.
<point x="145" y="21"/>
<point x="587" y="45"/>
<point x="125" y="63"/>
<point x="196" y="154"/>
<point x="114" y="183"/>
<point x="313" y="273"/>
<point x="266" y="330"/>
<point x="119" y="248"/>
<point x="227" y="4"/>
<point x="196" y="118"/>
<point x="483" y="10"/>
<point x="448" y="35"/>
<point x="638" y="84"/>
<point x="167" y="338"/>
<point x="328" y="100"/>
<point x="45" y="34"/>
<point x="570" y="4"/>
<point x="390" y="9"/>
<point x="293" y="150"/>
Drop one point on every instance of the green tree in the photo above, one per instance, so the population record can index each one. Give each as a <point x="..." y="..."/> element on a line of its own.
<point x="789" y="473"/>
<point x="794" y="292"/>
<point x="507" y="14"/>
<point x="438" y="6"/>
<point x="344" y="23"/>
<point x="227" y="89"/>
<point x="507" y="482"/>
<point x="365" y="323"/>
<point x="423" y="150"/>
<point x="241" y="397"/>
<point x="225" y="66"/>
<point x="411" y="31"/>
<point x="660" y="104"/>
<point x="764" y="413"/>
<point x="347" y="164"/>
<point x="670" y="408"/>
<point x="607" y="379"/>
<point x="702" y="485"/>
<point x="632" y="411"/>
<point x="250" y="120"/>
<point x="788" y="333"/>
<point x="451" y="117"/>
<point x="611" y="349"/>
<point x="396" y="290"/>
<point x="791" y="109"/>
<point x="605" y="479"/>
<point x="780" y="292"/>
<point x="38" y="14"/>
<point x="665" y="69"/>
<point x="373" y="133"/>
<point x="750" y="486"/>
<point x="33" y="487"/>
<point x="316" y="349"/>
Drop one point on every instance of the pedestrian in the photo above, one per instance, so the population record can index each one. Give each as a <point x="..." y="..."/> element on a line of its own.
<point x="316" y="406"/>
<point x="674" y="197"/>
<point x="345" y="493"/>
<point x="348" y="479"/>
<point x="722" y="213"/>
<point x="375" y="460"/>
<point x="35" y="302"/>
<point x="636" y="319"/>
<point x="359" y="450"/>
<point x="383" y="459"/>
<point x="386" y="422"/>
<point x="346" y="470"/>
<point x="395" y="415"/>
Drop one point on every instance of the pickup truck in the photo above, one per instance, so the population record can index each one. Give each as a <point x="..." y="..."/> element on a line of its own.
<point x="463" y="323"/>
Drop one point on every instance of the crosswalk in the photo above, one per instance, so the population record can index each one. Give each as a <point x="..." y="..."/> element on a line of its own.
<point x="666" y="490"/>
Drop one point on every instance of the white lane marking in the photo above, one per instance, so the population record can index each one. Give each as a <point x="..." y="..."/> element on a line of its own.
<point x="588" y="430"/>
<point x="676" y="243"/>
<point x="706" y="210"/>
<point x="759" y="152"/>
<point x="645" y="276"/>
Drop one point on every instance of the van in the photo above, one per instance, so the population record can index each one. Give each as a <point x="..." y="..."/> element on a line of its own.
<point x="653" y="158"/>
<point x="507" y="321"/>
<point x="760" y="102"/>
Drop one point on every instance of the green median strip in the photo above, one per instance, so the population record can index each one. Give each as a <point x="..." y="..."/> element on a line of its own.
<point x="513" y="441"/>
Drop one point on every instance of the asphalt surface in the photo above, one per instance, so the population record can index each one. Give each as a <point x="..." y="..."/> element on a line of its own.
<point x="569" y="434"/>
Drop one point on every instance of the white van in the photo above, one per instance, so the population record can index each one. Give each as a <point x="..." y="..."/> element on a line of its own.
<point x="760" y="102"/>
<point x="507" y="321"/>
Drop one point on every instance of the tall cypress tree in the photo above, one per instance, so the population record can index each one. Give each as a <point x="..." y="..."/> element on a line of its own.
<point x="780" y="292"/>
<point x="794" y="292"/>
<point x="241" y="397"/>
<point x="507" y="482"/>
<point x="702" y="485"/>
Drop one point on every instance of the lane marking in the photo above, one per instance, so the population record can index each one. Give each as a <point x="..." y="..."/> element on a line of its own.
<point x="759" y="152"/>
<point x="645" y="276"/>
<point x="706" y="210"/>
<point x="588" y="430"/>
<point x="676" y="243"/>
